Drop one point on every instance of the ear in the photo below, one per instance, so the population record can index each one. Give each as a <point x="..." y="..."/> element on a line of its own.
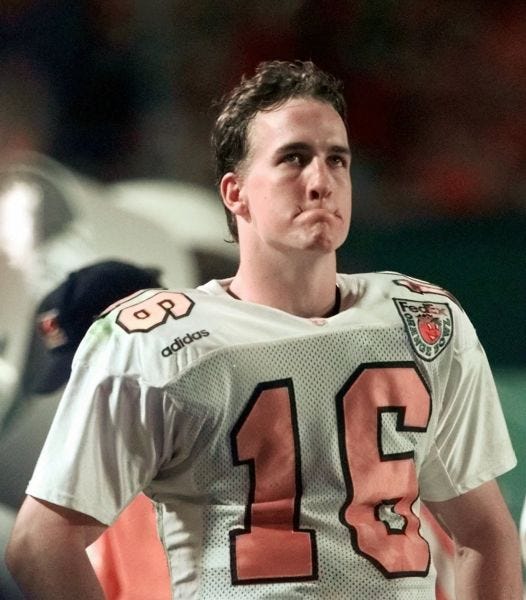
<point x="230" y="188"/>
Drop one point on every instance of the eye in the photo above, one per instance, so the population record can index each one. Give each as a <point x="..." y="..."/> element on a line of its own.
<point x="338" y="160"/>
<point x="294" y="158"/>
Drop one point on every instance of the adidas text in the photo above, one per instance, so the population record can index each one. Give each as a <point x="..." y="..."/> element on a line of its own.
<point x="179" y="343"/>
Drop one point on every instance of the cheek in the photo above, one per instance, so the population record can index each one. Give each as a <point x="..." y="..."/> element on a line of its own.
<point x="349" y="210"/>
<point x="346" y="212"/>
<point x="348" y="200"/>
<point x="270" y="200"/>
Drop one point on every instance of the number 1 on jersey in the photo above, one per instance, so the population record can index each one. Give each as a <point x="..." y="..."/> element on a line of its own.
<point x="271" y="547"/>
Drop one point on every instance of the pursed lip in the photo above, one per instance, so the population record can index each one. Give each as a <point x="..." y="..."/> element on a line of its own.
<point x="317" y="213"/>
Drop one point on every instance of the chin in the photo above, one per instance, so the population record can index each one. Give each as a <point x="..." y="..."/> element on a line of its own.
<point x="324" y="240"/>
<point x="322" y="244"/>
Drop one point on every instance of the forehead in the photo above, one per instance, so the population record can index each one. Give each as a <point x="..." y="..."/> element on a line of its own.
<point x="304" y="120"/>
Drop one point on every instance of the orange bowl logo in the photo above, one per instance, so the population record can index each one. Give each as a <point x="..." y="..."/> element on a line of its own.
<point x="429" y="329"/>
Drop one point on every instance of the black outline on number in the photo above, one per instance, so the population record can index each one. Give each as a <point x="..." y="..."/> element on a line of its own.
<point x="261" y="387"/>
<point x="340" y="422"/>
<point x="392" y="502"/>
<point x="383" y="457"/>
<point x="167" y="311"/>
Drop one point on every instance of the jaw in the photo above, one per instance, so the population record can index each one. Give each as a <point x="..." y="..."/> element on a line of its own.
<point x="322" y="231"/>
<point x="310" y="232"/>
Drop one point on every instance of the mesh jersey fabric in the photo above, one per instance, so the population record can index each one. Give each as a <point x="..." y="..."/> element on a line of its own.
<point x="286" y="456"/>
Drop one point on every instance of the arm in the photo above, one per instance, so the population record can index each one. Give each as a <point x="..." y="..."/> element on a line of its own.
<point x="46" y="553"/>
<point x="487" y="557"/>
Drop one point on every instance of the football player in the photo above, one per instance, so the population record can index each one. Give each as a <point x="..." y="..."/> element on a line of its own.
<point x="290" y="421"/>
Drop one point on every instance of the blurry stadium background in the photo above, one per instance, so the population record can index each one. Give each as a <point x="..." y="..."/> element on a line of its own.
<point x="104" y="122"/>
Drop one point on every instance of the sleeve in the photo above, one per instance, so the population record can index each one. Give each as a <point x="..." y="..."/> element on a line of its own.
<point x="111" y="434"/>
<point x="471" y="444"/>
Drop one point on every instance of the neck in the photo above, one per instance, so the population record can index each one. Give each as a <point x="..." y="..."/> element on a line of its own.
<point x="307" y="289"/>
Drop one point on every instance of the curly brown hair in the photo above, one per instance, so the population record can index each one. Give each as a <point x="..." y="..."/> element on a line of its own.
<point x="273" y="83"/>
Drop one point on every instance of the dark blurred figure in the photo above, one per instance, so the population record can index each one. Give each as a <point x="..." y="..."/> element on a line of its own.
<point x="61" y="320"/>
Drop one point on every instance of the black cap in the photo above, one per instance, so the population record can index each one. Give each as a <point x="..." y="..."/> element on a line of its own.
<point x="66" y="313"/>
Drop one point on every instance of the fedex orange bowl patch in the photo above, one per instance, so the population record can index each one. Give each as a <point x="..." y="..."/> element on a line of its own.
<point x="428" y="324"/>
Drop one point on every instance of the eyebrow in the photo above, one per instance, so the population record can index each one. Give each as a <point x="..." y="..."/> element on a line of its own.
<point x="304" y="147"/>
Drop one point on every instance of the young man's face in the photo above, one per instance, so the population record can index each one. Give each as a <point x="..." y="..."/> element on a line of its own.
<point x="296" y="181"/>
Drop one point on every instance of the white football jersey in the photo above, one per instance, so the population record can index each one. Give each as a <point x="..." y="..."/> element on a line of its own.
<point x="287" y="456"/>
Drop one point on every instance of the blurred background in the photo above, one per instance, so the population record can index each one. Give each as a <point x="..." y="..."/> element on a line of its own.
<point x="105" y="113"/>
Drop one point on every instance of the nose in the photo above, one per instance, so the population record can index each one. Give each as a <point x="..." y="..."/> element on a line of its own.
<point x="319" y="185"/>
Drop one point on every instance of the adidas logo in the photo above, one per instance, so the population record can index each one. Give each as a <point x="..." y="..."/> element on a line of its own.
<point x="179" y="343"/>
